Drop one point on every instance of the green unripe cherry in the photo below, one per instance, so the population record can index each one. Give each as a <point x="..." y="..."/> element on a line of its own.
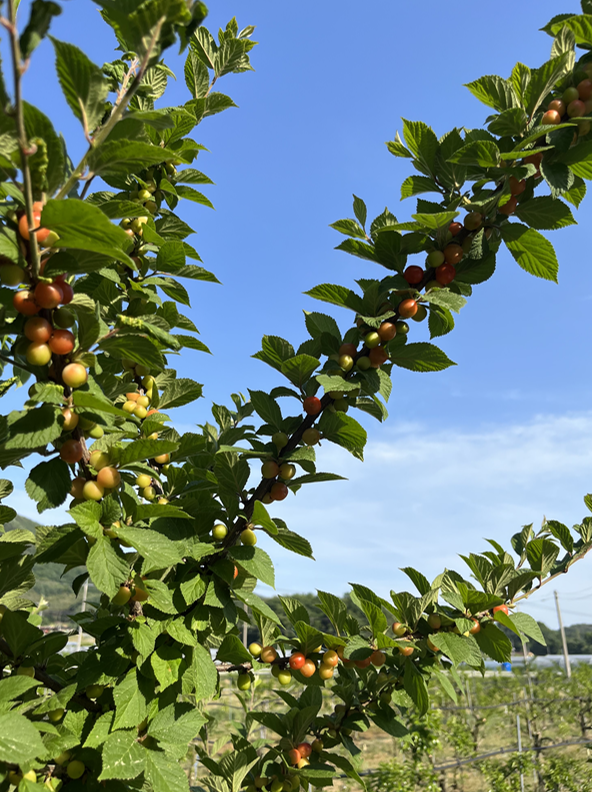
<point x="435" y="258"/>
<point x="346" y="362"/>
<point x="248" y="537"/>
<point x="219" y="532"/>
<point x="364" y="363"/>
<point x="372" y="340"/>
<point x="243" y="682"/>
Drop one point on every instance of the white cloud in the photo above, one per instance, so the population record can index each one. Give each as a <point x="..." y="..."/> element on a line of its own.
<point x="424" y="496"/>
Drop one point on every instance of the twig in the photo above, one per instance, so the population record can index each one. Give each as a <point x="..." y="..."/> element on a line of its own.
<point x="22" y="135"/>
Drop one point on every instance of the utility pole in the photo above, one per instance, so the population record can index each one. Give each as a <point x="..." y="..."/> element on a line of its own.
<point x="563" y="639"/>
<point x="84" y="598"/>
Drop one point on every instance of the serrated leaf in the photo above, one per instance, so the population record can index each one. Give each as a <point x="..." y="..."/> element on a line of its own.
<point x="267" y="408"/>
<point x="123" y="756"/>
<point x="337" y="295"/>
<point x="107" y="570"/>
<point x="20" y="741"/>
<point x="345" y="431"/>
<point x="299" y="368"/>
<point x="422" y="142"/>
<point x="532" y="251"/>
<point x="179" y="392"/>
<point x="420" y="357"/>
<point x="494" y="91"/>
<point x="256" y="562"/>
<point x="84" y="85"/>
<point x="49" y="484"/>
<point x="529" y="626"/>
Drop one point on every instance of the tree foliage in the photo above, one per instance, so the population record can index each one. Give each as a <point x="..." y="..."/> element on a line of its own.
<point x="164" y="524"/>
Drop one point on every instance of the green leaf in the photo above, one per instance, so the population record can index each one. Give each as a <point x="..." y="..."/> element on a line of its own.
<point x="274" y="351"/>
<point x="13" y="687"/>
<point x="576" y="194"/>
<point x="84" y="85"/>
<point x="158" y="551"/>
<point x="345" y="431"/>
<point x="334" y="608"/>
<point x="257" y="605"/>
<point x="349" y="227"/>
<point x="562" y="533"/>
<point x="527" y="625"/>
<point x="130" y="704"/>
<point x="420" y="357"/>
<point x="35" y="429"/>
<point x="19" y="633"/>
<point x="532" y="251"/>
<point x="123" y="756"/>
<point x="415" y="185"/>
<point x="434" y="220"/>
<point x="292" y="541"/>
<point x="459" y="648"/>
<point x="232" y="650"/>
<point x="42" y="12"/>
<point x="267" y="408"/>
<point x="127" y="156"/>
<point x="472" y="271"/>
<point x="389" y="724"/>
<point x="49" y="484"/>
<point x="397" y="148"/>
<point x="202" y="675"/>
<point x="256" y="562"/>
<point x="166" y="664"/>
<point x="172" y="728"/>
<point x="543" y="80"/>
<point x="484" y="153"/>
<point x="422" y="142"/>
<point x="83" y="226"/>
<point x="319" y="323"/>
<point x="107" y="569"/>
<point x="337" y="295"/>
<point x="138" y="348"/>
<point x="140" y="450"/>
<point x="20" y="741"/>
<point x="95" y="402"/>
<point x="416" y="688"/>
<point x="262" y="518"/>
<point x="541" y="554"/>
<point x="360" y="210"/>
<point x="580" y="25"/>
<point x="300" y="368"/>
<point x="180" y="392"/>
<point x="494" y="92"/>
<point x="164" y="774"/>
<point x="511" y="122"/>
<point x="494" y="643"/>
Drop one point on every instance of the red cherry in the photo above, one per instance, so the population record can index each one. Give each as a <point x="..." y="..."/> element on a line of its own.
<point x="453" y="254"/>
<point x="348" y="349"/>
<point x="38" y="329"/>
<point x="455" y="228"/>
<point x="509" y="207"/>
<point x="24" y="303"/>
<point x="67" y="291"/>
<point x="407" y="309"/>
<point x="413" y="275"/>
<point x="517" y="187"/>
<point x="61" y="342"/>
<point x="312" y="405"/>
<point x="445" y="274"/>
<point x="502" y="608"/>
<point x="279" y="491"/>
<point x="48" y="295"/>
<point x="378" y="356"/>
<point x="297" y="660"/>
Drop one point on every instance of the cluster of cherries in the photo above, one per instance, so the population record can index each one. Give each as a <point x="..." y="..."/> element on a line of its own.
<point x="574" y="102"/>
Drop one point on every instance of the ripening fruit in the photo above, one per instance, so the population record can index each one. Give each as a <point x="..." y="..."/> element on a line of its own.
<point x="121" y="598"/>
<point x="287" y="471"/>
<point x="129" y="406"/>
<point x="434" y="621"/>
<point x="38" y="354"/>
<point x="67" y="293"/>
<point x="348" y="349"/>
<point x="378" y="356"/>
<point x="248" y="537"/>
<point x="71" y="451"/>
<point x="268" y="654"/>
<point x="75" y="769"/>
<point x="305" y="749"/>
<point x="148" y="493"/>
<point x="108" y="478"/>
<point x="162" y="459"/>
<point x="436" y="257"/>
<point x="402" y="327"/>
<point x="308" y="669"/>
<point x="585" y="90"/>
<point x="24" y="303"/>
<point x="280" y="440"/>
<point x="77" y="487"/>
<point x="74" y="375"/>
<point x="454" y="229"/>
<point x="378" y="658"/>
<point x="432" y="646"/>
<point x="551" y="118"/>
<point x="219" y="532"/>
<point x="406" y="651"/>
<point x="140" y="412"/>
<point x="372" y="339"/>
<point x="509" y="207"/>
<point x="570" y="94"/>
<point x="56" y="715"/>
<point x="453" y="254"/>
<point x="502" y="608"/>
<point x="387" y="331"/>
<point x="143" y="480"/>
<point x="297" y="660"/>
<point x="279" y="491"/>
<point x="62" y="342"/>
<point x="326" y="672"/>
<point x="312" y="405"/>
<point x="294" y="757"/>
<point x="576" y="109"/>
<point x="63" y="318"/>
<point x="346" y="362"/>
<point x="399" y="629"/>
<point x="70" y="420"/>
<point x="330" y="658"/>
<point x="517" y="187"/>
<point x="421" y="312"/>
<point x="362" y="663"/>
<point x="475" y="628"/>
<point x="143" y="401"/>
<point x="312" y="436"/>
<point x="38" y="329"/>
<point x="407" y="309"/>
<point x="99" y="459"/>
<point x="11" y="275"/>
<point x="558" y="105"/>
<point x="255" y="649"/>
<point x="473" y="221"/>
<point x="445" y="274"/>
<point x="92" y="491"/>
<point x="48" y="295"/>
<point x="270" y="469"/>
<point x="96" y="432"/>
<point x="414" y="275"/>
<point x="284" y="677"/>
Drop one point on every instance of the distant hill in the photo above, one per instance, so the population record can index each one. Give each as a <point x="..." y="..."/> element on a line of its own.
<point x="51" y="583"/>
<point x="57" y="589"/>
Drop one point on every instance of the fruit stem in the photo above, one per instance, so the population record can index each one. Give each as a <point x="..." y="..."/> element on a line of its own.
<point x="24" y="147"/>
<point x="118" y="110"/>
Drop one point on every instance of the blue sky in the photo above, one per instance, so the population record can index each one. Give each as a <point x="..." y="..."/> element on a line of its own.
<point x="499" y="440"/>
